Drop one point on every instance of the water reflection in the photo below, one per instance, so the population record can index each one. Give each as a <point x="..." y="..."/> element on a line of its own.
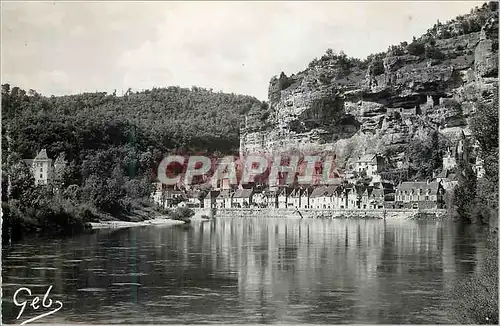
<point x="249" y="271"/>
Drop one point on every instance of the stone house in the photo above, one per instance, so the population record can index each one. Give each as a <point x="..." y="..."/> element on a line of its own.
<point x="173" y="197"/>
<point x="420" y="195"/>
<point x="158" y="194"/>
<point x="348" y="198"/>
<point x="193" y="199"/>
<point x="376" y="198"/>
<point x="371" y="164"/>
<point x="272" y="198"/>
<point x="327" y="199"/>
<point x="449" y="159"/>
<point x="304" y="197"/>
<point x="283" y="195"/>
<point x="242" y="198"/>
<point x="295" y="197"/>
<point x="224" y="199"/>
<point x="314" y="198"/>
<point x="259" y="199"/>
<point x="363" y="197"/>
<point x="210" y="199"/>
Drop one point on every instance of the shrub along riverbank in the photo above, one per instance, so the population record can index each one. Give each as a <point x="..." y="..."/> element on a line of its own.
<point x="476" y="296"/>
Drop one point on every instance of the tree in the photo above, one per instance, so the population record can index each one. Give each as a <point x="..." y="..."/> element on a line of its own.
<point x="465" y="191"/>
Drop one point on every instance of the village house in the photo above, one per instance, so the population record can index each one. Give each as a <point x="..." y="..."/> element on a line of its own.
<point x="420" y="195"/>
<point x="314" y="201"/>
<point x="283" y="195"/>
<point x="449" y="159"/>
<point x="327" y="197"/>
<point x="376" y="198"/>
<point x="479" y="167"/>
<point x="447" y="179"/>
<point x="259" y="199"/>
<point x="210" y="199"/>
<point x="294" y="199"/>
<point x="348" y="198"/>
<point x="371" y="164"/>
<point x="193" y="198"/>
<point x="242" y="198"/>
<point x="363" y="197"/>
<point x="304" y="197"/>
<point x="272" y="198"/>
<point x="158" y="194"/>
<point x="224" y="199"/>
<point x="389" y="200"/>
<point x="173" y="197"/>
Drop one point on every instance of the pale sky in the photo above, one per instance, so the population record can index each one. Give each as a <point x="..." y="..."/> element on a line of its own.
<point x="71" y="47"/>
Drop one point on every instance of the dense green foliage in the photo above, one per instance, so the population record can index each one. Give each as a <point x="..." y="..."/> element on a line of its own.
<point x="182" y="214"/>
<point x="477" y="201"/>
<point x="426" y="156"/>
<point x="112" y="144"/>
<point x="423" y="46"/>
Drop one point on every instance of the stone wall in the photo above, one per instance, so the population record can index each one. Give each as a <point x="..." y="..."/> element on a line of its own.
<point x="326" y="213"/>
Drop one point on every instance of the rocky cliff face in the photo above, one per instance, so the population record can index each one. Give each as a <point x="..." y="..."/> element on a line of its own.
<point x="383" y="103"/>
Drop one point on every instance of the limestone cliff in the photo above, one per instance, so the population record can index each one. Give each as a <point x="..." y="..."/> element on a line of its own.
<point x="380" y="104"/>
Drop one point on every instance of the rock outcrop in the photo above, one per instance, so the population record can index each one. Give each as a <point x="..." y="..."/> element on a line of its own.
<point x="381" y="104"/>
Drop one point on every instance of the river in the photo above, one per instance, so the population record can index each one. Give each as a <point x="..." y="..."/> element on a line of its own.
<point x="248" y="270"/>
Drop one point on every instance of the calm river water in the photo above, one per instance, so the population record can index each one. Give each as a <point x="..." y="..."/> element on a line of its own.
<point x="247" y="270"/>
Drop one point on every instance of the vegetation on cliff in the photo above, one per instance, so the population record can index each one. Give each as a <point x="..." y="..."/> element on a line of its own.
<point x="477" y="200"/>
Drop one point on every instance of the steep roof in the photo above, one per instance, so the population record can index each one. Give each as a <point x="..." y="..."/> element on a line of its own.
<point x="308" y="191"/>
<point x="296" y="192"/>
<point x="323" y="191"/>
<point x="377" y="193"/>
<point x="243" y="193"/>
<point x="42" y="155"/>
<point x="410" y="186"/>
<point x="224" y="195"/>
<point x="29" y="162"/>
<point x="366" y="158"/>
<point x="285" y="192"/>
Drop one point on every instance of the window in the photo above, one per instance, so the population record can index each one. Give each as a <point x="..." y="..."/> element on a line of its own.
<point x="426" y="197"/>
<point x="41" y="169"/>
<point x="41" y="176"/>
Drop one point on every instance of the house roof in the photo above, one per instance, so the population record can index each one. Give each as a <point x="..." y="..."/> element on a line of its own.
<point x="29" y="162"/>
<point x="224" y="195"/>
<point x="42" y="155"/>
<point x="317" y="192"/>
<point x="324" y="191"/>
<point x="285" y="191"/>
<point x="243" y="193"/>
<point x="213" y="194"/>
<point x="377" y="193"/>
<point x="307" y="192"/>
<point x="296" y="192"/>
<point x="366" y="158"/>
<point x="409" y="186"/>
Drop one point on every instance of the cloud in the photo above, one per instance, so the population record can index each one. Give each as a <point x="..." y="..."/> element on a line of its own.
<point x="230" y="46"/>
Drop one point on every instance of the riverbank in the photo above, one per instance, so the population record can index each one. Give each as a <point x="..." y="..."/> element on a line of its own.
<point x="329" y="213"/>
<point x="57" y="220"/>
<point x="162" y="220"/>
